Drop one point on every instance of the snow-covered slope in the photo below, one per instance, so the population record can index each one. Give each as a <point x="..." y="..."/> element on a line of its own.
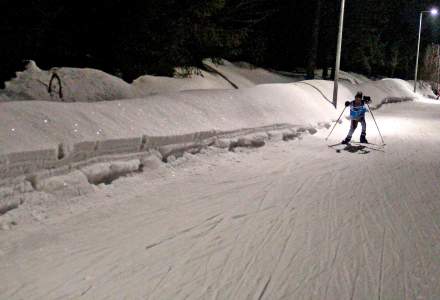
<point x="78" y="85"/>
<point x="353" y="77"/>
<point x="90" y="85"/>
<point x="244" y="75"/>
<point x="424" y="89"/>
<point x="132" y="125"/>
<point x="148" y="85"/>
<point x="41" y="135"/>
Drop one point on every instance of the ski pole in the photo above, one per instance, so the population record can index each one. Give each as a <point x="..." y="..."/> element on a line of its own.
<point x="374" y="119"/>
<point x="336" y="123"/>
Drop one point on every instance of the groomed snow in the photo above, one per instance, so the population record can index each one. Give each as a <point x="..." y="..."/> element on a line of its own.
<point x="293" y="220"/>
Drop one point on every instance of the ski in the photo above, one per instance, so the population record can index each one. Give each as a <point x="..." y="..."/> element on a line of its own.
<point x="369" y="144"/>
<point x="357" y="146"/>
<point x="334" y="145"/>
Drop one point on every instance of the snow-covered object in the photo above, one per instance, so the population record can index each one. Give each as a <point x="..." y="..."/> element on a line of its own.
<point x="381" y="91"/>
<point x="244" y="75"/>
<point x="353" y="77"/>
<point x="78" y="85"/>
<point x="424" y="89"/>
<point x="386" y="91"/>
<point x="90" y="85"/>
<point x="148" y="85"/>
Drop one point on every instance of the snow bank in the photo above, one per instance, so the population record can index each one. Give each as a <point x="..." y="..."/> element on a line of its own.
<point x="53" y="138"/>
<point x="78" y="85"/>
<point x="73" y="184"/>
<point x="381" y="91"/>
<point x="386" y="91"/>
<point x="107" y="172"/>
<point x="353" y="78"/>
<point x="244" y="75"/>
<point x="45" y="139"/>
<point x="42" y="133"/>
<point x="424" y="89"/>
<point x="90" y="85"/>
<point x="149" y="85"/>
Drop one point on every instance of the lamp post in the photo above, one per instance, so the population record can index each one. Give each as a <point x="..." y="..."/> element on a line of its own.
<point x="438" y="70"/>
<point x="338" y="55"/>
<point x="433" y="12"/>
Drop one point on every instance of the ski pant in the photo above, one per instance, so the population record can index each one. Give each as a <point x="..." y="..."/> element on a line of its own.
<point x="354" y="124"/>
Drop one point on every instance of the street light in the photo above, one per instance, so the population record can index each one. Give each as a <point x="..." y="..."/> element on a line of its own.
<point x="338" y="55"/>
<point x="433" y="12"/>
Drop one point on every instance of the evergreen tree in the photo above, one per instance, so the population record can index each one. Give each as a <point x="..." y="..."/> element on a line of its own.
<point x="313" y="54"/>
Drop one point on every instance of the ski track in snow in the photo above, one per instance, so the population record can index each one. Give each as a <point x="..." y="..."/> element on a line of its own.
<point x="288" y="221"/>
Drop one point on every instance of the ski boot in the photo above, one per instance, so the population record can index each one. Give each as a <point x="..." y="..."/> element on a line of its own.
<point x="364" y="139"/>
<point x="346" y="141"/>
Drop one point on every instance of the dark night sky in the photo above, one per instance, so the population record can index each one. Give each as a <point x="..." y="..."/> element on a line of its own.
<point x="131" y="38"/>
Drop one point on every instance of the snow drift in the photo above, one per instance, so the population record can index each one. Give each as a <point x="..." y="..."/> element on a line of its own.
<point x="90" y="85"/>
<point x="245" y="75"/>
<point x="84" y="85"/>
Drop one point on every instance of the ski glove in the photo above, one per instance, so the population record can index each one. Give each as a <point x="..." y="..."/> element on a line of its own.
<point x="347" y="103"/>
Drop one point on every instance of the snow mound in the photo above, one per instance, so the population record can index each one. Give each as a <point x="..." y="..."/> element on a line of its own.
<point x="107" y="172"/>
<point x="149" y="85"/>
<point x="353" y="77"/>
<point x="77" y="85"/>
<point x="424" y="89"/>
<point x="245" y="75"/>
<point x="387" y="91"/>
<point x="90" y="85"/>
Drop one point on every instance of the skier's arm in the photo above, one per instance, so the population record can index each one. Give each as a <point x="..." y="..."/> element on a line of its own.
<point x="347" y="103"/>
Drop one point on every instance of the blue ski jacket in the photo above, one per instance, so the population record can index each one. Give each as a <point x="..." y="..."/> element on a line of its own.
<point x="357" y="112"/>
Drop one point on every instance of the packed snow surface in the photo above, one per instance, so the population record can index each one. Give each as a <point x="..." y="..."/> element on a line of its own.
<point x="294" y="220"/>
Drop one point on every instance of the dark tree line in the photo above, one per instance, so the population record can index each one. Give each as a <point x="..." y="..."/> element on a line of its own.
<point x="132" y="38"/>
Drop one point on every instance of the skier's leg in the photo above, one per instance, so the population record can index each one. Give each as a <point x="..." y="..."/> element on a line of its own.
<point x="353" y="127"/>
<point x="364" y="131"/>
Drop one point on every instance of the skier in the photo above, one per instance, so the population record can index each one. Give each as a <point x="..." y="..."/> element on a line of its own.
<point x="357" y="114"/>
